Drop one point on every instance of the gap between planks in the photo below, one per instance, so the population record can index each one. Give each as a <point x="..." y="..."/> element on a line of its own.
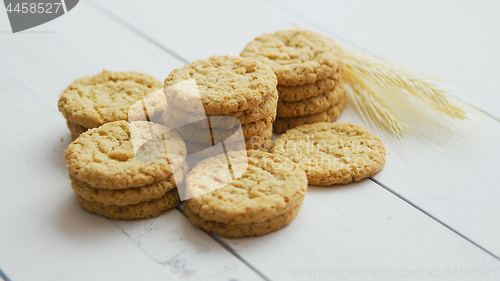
<point x="216" y="238"/>
<point x="305" y="19"/>
<point x="177" y="56"/>
<point x="3" y="276"/>
<point x="430" y="216"/>
<point x="227" y="247"/>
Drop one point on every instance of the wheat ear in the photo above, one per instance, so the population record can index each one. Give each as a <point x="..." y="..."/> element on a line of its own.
<point x="401" y="100"/>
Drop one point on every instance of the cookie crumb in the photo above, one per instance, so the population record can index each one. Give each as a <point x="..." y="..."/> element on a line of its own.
<point x="62" y="139"/>
<point x="390" y="217"/>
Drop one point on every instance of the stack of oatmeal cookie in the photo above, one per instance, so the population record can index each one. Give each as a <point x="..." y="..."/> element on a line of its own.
<point x="264" y="198"/>
<point x="215" y="99"/>
<point x="308" y="66"/>
<point x="120" y="169"/>
<point x="90" y="102"/>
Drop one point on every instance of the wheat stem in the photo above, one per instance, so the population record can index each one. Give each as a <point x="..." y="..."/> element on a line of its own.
<point x="398" y="99"/>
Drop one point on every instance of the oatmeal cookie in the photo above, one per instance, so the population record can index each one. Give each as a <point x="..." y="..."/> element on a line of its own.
<point x="332" y="153"/>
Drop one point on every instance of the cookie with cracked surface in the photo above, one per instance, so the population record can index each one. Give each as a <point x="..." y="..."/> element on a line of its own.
<point x="280" y="125"/>
<point x="127" y="196"/>
<point x="147" y="209"/>
<point x="105" y="97"/>
<point x="297" y="57"/>
<point x="311" y="105"/>
<point x="302" y="92"/>
<point x="266" y="194"/>
<point x="104" y="157"/>
<point x="332" y="153"/>
<point x="224" y="84"/>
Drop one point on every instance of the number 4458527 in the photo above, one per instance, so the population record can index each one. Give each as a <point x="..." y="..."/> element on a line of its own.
<point x="34" y="8"/>
<point x="472" y="271"/>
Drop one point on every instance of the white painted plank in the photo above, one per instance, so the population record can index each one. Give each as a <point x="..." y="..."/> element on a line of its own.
<point x="439" y="182"/>
<point x="285" y="255"/>
<point x="354" y="232"/>
<point x="486" y="8"/>
<point x="359" y="232"/>
<point x="199" y="29"/>
<point x="439" y="36"/>
<point x="45" y="234"/>
<point x="76" y="46"/>
<point x="44" y="228"/>
<point x="457" y="186"/>
<point x="186" y="252"/>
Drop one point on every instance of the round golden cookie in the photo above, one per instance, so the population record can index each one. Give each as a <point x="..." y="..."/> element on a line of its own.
<point x="332" y="153"/>
<point x="266" y="108"/>
<point x="194" y="134"/>
<point x="297" y="57"/>
<point x="104" y="157"/>
<point x="311" y="105"/>
<point x="224" y="84"/>
<point x="75" y="129"/>
<point x="270" y="186"/>
<point x="147" y="209"/>
<point x="122" y="197"/>
<point x="105" y="97"/>
<point x="302" y="92"/>
<point x="242" y="229"/>
<point x="127" y="196"/>
<point x="280" y="125"/>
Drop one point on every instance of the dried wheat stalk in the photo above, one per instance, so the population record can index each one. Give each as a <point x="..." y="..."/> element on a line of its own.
<point x="400" y="100"/>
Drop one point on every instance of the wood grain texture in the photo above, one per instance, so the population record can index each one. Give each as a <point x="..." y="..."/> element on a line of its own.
<point x="455" y="185"/>
<point x="360" y="226"/>
<point x="185" y="252"/>
<point x="443" y="37"/>
<point x="45" y="234"/>
<point x="353" y="229"/>
<point x="442" y="180"/>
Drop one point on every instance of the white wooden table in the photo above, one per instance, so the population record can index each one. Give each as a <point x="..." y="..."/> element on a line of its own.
<point x="432" y="213"/>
